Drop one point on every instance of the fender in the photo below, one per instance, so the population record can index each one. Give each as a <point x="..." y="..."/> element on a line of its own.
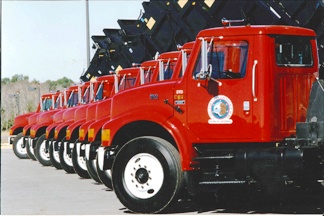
<point x="16" y="129"/>
<point x="19" y="122"/>
<point x="83" y="130"/>
<point x="60" y="127"/>
<point x="26" y="129"/>
<point x="183" y="139"/>
<point x="73" y="127"/>
<point x="50" y="130"/>
<point x="110" y="128"/>
<point x="36" y="130"/>
<point x="95" y="128"/>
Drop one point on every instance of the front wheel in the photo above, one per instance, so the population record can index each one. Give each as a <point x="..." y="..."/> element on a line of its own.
<point x="104" y="175"/>
<point x="65" y="157"/>
<point x="30" y="149"/>
<point x="54" y="155"/>
<point x="147" y="175"/>
<point x="92" y="169"/>
<point x="41" y="151"/>
<point x="79" y="162"/>
<point x="19" y="148"/>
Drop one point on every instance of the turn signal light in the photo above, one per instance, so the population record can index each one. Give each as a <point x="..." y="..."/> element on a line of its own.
<point x="81" y="134"/>
<point x="32" y="133"/>
<point x="56" y="134"/>
<point x="105" y="135"/>
<point x="91" y="134"/>
<point x="68" y="134"/>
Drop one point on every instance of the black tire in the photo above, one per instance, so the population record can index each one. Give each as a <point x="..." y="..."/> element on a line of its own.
<point x="41" y="151"/>
<point x="92" y="170"/>
<point x="79" y="163"/>
<point x="65" y="159"/>
<point x="54" y="155"/>
<point x="30" y="151"/>
<point x="104" y="176"/>
<point x="147" y="175"/>
<point x="19" y="148"/>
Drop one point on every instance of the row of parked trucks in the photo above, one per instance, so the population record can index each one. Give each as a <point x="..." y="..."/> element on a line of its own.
<point x="240" y="105"/>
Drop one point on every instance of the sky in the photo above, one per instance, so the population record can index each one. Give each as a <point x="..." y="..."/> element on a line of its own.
<point x="46" y="40"/>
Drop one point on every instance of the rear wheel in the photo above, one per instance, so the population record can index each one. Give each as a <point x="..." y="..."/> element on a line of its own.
<point x="147" y="175"/>
<point x="19" y="148"/>
<point x="41" y="151"/>
<point x="65" y="157"/>
<point x="54" y="155"/>
<point x="79" y="163"/>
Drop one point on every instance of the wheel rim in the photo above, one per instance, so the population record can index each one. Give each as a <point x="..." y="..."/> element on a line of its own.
<point x="143" y="175"/>
<point x="82" y="163"/>
<point x="21" y="148"/>
<point x="67" y="158"/>
<point x="43" y="152"/>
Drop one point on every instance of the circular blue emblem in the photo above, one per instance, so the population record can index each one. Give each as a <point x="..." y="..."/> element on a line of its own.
<point x="220" y="110"/>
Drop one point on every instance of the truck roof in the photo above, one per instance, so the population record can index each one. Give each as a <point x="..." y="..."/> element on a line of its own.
<point x="256" y="30"/>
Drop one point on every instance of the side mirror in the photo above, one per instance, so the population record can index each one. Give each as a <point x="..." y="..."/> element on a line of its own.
<point x="205" y="74"/>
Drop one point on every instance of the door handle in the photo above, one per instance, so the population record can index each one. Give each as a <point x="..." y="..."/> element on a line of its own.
<point x="253" y="80"/>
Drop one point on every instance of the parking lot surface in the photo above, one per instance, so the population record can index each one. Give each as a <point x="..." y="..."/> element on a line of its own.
<point x="28" y="188"/>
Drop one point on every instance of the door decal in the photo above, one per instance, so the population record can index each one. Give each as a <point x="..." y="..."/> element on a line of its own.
<point x="220" y="110"/>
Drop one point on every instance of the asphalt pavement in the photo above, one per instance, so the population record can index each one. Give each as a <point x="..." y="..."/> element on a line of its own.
<point x="28" y="188"/>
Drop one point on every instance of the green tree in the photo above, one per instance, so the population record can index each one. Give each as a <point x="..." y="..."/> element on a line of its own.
<point x="65" y="82"/>
<point x="19" y="77"/>
<point x="5" y="80"/>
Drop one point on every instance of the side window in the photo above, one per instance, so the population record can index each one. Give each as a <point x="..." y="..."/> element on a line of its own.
<point x="293" y="51"/>
<point x="225" y="59"/>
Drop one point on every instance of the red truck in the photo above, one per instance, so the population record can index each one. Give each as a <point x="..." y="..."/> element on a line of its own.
<point x="34" y="131"/>
<point x="48" y="102"/>
<point x="78" y="96"/>
<point x="104" y="89"/>
<point x="238" y="116"/>
<point x="100" y="89"/>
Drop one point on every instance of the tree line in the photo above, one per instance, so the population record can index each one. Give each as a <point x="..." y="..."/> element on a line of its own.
<point x="19" y="95"/>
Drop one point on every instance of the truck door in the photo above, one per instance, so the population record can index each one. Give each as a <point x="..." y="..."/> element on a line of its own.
<point x="219" y="92"/>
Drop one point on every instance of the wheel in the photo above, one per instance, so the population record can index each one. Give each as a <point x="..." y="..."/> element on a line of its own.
<point x="104" y="176"/>
<point x="92" y="170"/>
<point x="147" y="175"/>
<point x="30" y="149"/>
<point x="19" y="147"/>
<point x="41" y="151"/>
<point x="79" y="163"/>
<point x="65" y="158"/>
<point x="54" y="155"/>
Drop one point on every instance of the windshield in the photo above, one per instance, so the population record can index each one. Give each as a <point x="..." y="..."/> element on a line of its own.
<point x="225" y="59"/>
<point x="47" y="104"/>
<point x="99" y="93"/>
<point x="126" y="82"/>
<point x="168" y="68"/>
<point x="73" y="99"/>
